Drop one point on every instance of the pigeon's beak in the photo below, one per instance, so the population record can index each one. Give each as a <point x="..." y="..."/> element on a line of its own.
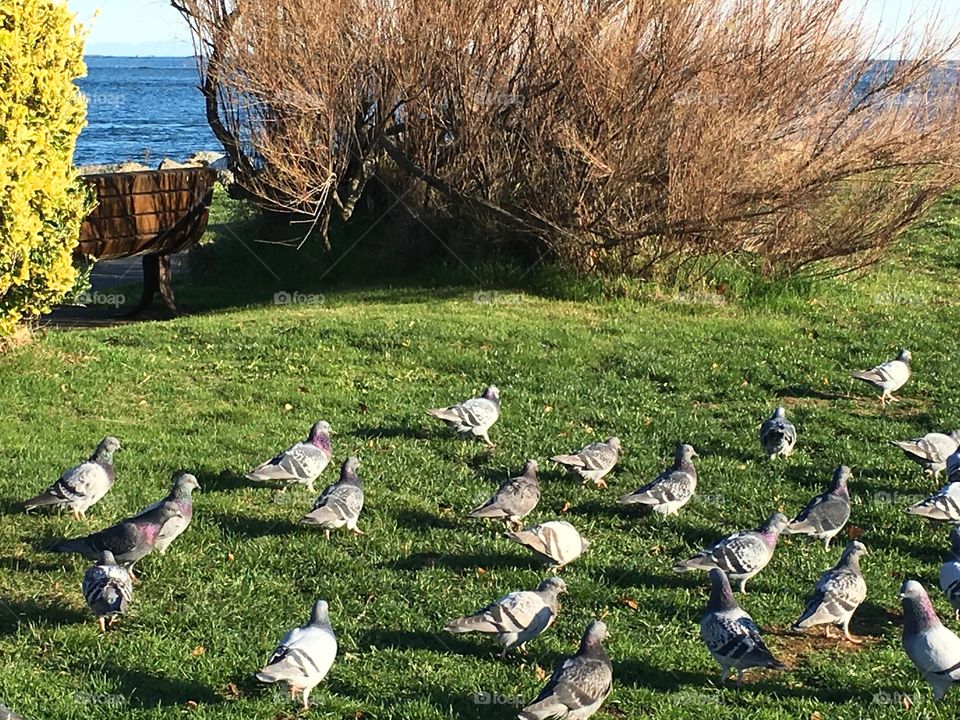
<point x="695" y="454"/>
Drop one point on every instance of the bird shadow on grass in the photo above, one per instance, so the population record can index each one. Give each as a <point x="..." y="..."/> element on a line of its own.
<point x="14" y="613"/>
<point x="638" y="673"/>
<point x="439" y="641"/>
<point x="222" y="481"/>
<point x="11" y="506"/>
<point x="23" y="564"/>
<point x="470" y="561"/>
<point x="141" y="689"/>
<point x="419" y="519"/>
<point x="808" y="392"/>
<point x="623" y="577"/>
<point x="252" y="527"/>
<point x="393" y="431"/>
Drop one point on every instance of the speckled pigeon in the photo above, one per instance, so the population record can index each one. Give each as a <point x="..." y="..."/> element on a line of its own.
<point x="180" y="500"/>
<point x="579" y="684"/>
<point x="672" y="489"/>
<point x="888" y="377"/>
<point x="301" y="463"/>
<point x="592" y="462"/>
<point x="82" y="486"/>
<point x="107" y="588"/>
<point x="778" y="436"/>
<point x="943" y="505"/>
<point x="340" y="504"/>
<point x="933" y="649"/>
<point x="826" y="514"/>
<point x="517" y="617"/>
<point x="514" y="499"/>
<point x="741" y="555"/>
<point x="950" y="573"/>
<point x="304" y="656"/>
<point x="931" y="451"/>
<point x="730" y="634"/>
<point x="129" y="540"/>
<point x="556" y="543"/>
<point x="473" y="417"/>
<point x="837" y="594"/>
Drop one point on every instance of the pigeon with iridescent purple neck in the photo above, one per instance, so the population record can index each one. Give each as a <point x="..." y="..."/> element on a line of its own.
<point x="473" y="417"/>
<point x="301" y="463"/>
<point x="826" y="514"/>
<point x="933" y="649"/>
<point x="741" y="555"/>
<point x="180" y="499"/>
<point x="81" y="487"/>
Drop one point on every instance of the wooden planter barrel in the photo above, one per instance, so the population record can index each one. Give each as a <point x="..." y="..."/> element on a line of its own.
<point x="151" y="213"/>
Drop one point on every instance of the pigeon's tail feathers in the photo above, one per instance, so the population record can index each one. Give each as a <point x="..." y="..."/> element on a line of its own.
<point x="77" y="545"/>
<point x="486" y="510"/>
<point x="695" y="563"/>
<point x="469" y="624"/>
<point x="870" y="376"/>
<point x="44" y="498"/>
<point x="267" y="472"/>
<point x="324" y="515"/>
<point x="570" y="460"/>
<point x="446" y="414"/>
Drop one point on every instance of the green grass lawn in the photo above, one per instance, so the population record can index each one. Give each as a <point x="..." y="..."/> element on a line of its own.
<point x="218" y="391"/>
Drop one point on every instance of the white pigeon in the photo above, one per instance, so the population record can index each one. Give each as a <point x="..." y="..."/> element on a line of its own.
<point x="672" y="489"/>
<point x="933" y="649"/>
<point x="943" y="505"/>
<point x="592" y="462"/>
<point x="473" y="417"/>
<point x="888" y="377"/>
<point x="81" y="487"/>
<point x="950" y="573"/>
<point x="556" y="543"/>
<point x="107" y="588"/>
<point x="837" y="594"/>
<point x="931" y="451"/>
<point x="301" y="463"/>
<point x="517" y="617"/>
<point x="778" y="436"/>
<point x="304" y="656"/>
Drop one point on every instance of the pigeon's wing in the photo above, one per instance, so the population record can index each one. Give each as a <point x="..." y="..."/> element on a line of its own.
<point x="301" y="462"/>
<point x="950" y="580"/>
<point x="472" y="413"/>
<point x="943" y="505"/>
<point x="305" y="655"/>
<point x="671" y="486"/>
<point x="776" y="434"/>
<point x="739" y="553"/>
<point x="515" y="497"/>
<point x="577" y="683"/>
<point x="512" y="613"/>
<point x="82" y="484"/>
<point x="824" y="513"/>
<point x="836" y="595"/>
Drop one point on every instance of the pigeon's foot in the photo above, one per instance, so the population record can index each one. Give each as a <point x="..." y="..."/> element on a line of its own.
<point x="357" y="531"/>
<point x="77" y="515"/>
<point x="854" y="640"/>
<point x="327" y="533"/>
<point x="102" y="622"/>
<point x="601" y="483"/>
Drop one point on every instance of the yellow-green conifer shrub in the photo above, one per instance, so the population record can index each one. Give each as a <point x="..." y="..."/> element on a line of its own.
<point x="41" y="114"/>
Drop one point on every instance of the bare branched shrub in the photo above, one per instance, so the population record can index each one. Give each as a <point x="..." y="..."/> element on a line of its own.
<point x="632" y="135"/>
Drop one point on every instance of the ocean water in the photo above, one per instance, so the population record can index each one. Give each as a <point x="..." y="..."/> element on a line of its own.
<point x="142" y="109"/>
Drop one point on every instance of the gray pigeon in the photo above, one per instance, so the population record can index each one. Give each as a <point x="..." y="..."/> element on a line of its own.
<point x="517" y="617"/>
<point x="933" y="649"/>
<point x="514" y="499"/>
<point x="81" y="487"/>
<point x="304" y="656"/>
<point x="592" y="462"/>
<point x="943" y="505"/>
<point x="950" y="573"/>
<point x="129" y="540"/>
<point x="826" y="514"/>
<point x="837" y="594"/>
<point x="888" y="377"/>
<point x="778" y="436"/>
<point x="931" y="451"/>
<point x="730" y="634"/>
<point x="741" y="555"/>
<point x="301" y="463"/>
<point x="953" y="467"/>
<point x="180" y="502"/>
<point x="672" y="489"/>
<point x="107" y="588"/>
<point x="340" y="504"/>
<point x="579" y="684"/>
<point x="473" y="417"/>
<point x="8" y="714"/>
<point x="556" y="543"/>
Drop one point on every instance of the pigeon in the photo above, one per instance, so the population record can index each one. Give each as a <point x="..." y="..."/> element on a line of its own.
<point x="826" y="514"/>
<point x="943" y="505"/>
<point x="108" y="589"/>
<point x="953" y="467"/>
<point x="340" y="504"/>
<point x="672" y="489"/>
<point x="931" y="451"/>
<point x="473" y="417"/>
<point x="579" y="684"/>
<point x="304" y="656"/>
<point x="933" y="649"/>
<point x="301" y="463"/>
<point x="837" y="594"/>
<point x="778" y="436"/>
<point x="81" y="487"/>
<point x="888" y="377"/>
<point x="517" y="617"/>
<point x="514" y="499"/>
<point x="129" y="540"/>
<point x="950" y="573"/>
<point x="180" y="500"/>
<point x="556" y="543"/>
<point x="593" y="461"/>
<point x="741" y="555"/>
<point x="730" y="634"/>
<point x="8" y="714"/>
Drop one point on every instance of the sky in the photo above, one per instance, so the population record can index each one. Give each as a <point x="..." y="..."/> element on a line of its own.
<point x="152" y="27"/>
